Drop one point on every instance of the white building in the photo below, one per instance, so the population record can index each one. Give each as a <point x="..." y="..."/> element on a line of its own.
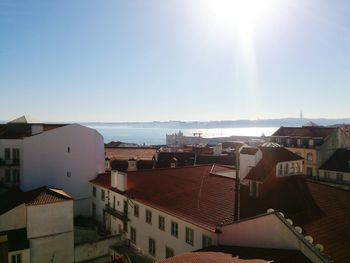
<point x="36" y="226"/>
<point x="166" y="212"/>
<point x="67" y="156"/>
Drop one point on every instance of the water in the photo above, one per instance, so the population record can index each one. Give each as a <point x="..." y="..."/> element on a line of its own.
<point x="152" y="135"/>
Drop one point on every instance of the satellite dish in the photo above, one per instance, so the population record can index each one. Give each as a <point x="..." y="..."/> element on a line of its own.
<point x="290" y="221"/>
<point x="281" y="214"/>
<point x="270" y="210"/>
<point x="320" y="247"/>
<point x="298" y="229"/>
<point x="309" y="238"/>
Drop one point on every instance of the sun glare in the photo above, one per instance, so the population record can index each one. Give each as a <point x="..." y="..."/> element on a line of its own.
<point x="243" y="14"/>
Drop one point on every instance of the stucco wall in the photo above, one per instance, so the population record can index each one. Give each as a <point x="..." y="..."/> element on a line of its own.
<point x="93" y="250"/>
<point x="47" y="161"/>
<point x="55" y="248"/>
<point x="266" y="231"/>
<point x="145" y="230"/>
<point x="44" y="220"/>
<point x="13" y="219"/>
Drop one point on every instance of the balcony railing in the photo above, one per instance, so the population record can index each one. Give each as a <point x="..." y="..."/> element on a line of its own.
<point x="118" y="214"/>
<point x="13" y="162"/>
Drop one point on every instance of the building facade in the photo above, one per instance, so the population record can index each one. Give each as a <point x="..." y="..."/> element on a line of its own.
<point x="64" y="156"/>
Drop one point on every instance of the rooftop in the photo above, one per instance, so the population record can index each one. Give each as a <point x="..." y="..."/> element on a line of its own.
<point x="305" y="131"/>
<point x="271" y="156"/>
<point x="126" y="153"/>
<point x="339" y="162"/>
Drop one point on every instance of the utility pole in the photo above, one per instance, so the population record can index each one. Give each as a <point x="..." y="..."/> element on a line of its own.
<point x="237" y="203"/>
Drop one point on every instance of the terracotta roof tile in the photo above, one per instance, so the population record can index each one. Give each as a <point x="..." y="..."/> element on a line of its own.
<point x="266" y="167"/>
<point x="126" y="153"/>
<point x="306" y="131"/>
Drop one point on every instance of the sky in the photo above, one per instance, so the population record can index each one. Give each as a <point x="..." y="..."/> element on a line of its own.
<point x="114" y="60"/>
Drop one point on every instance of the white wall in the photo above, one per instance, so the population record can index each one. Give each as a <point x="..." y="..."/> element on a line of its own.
<point x="46" y="160"/>
<point x="49" y="219"/>
<point x="55" y="249"/>
<point x="145" y="230"/>
<point x="13" y="219"/>
<point x="266" y="231"/>
<point x="247" y="162"/>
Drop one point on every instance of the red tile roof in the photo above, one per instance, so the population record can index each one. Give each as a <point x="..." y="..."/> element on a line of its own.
<point x="194" y="195"/>
<point x="46" y="195"/>
<point x="208" y="257"/>
<point x="332" y="228"/>
<point x="267" y="165"/>
<point x="191" y="193"/>
<point x="306" y="131"/>
<point x="127" y="153"/>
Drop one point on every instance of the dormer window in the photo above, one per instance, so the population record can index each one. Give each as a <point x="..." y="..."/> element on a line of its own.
<point x="286" y="167"/>
<point x="299" y="142"/>
<point x="311" y="143"/>
<point x="280" y="170"/>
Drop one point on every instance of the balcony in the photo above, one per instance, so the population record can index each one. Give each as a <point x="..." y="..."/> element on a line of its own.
<point x="13" y="162"/>
<point x="114" y="212"/>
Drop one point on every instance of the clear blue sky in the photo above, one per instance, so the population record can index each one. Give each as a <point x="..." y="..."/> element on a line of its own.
<point x="84" y="60"/>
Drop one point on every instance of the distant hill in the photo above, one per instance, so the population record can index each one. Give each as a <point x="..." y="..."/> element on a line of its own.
<point x="294" y="122"/>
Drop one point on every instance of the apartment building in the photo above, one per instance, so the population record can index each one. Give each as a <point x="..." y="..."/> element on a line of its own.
<point x="314" y="143"/>
<point x="36" y="226"/>
<point x="33" y="154"/>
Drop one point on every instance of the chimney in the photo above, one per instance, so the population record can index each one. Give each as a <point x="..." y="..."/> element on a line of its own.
<point x="119" y="180"/>
<point x="132" y="165"/>
<point x="173" y="163"/>
<point x="107" y="164"/>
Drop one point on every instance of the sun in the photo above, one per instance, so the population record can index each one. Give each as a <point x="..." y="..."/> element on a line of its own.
<point x="243" y="14"/>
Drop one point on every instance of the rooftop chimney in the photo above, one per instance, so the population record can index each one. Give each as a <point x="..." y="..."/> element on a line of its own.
<point x="119" y="180"/>
<point x="132" y="165"/>
<point x="173" y="163"/>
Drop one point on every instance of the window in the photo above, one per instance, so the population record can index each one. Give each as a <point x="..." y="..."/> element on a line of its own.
<point x="161" y="223"/>
<point x="94" y="191"/>
<point x="93" y="210"/>
<point x="7" y="175"/>
<point x="309" y="171"/>
<point x="339" y="177"/>
<point x="286" y="167"/>
<point x="69" y="174"/>
<point x="15" y="176"/>
<point x="309" y="157"/>
<point x="169" y="252"/>
<point x="152" y="247"/>
<point x="133" y="235"/>
<point x="148" y="217"/>
<point x="174" y="229"/>
<point x="280" y="169"/>
<point x="7" y="154"/>
<point x="292" y="169"/>
<point x="15" y="155"/>
<point x="206" y="241"/>
<point x="299" y="142"/>
<point x="68" y="149"/>
<point x="114" y="201"/>
<point x="17" y="258"/>
<point x="102" y="195"/>
<point x="327" y="175"/>
<point x="311" y="143"/>
<point x="189" y="235"/>
<point x="136" y="210"/>
<point x="297" y="167"/>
